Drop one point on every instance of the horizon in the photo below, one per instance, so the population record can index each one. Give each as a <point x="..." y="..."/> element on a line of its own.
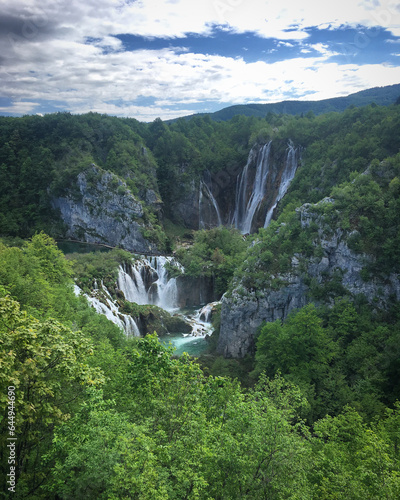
<point x="2" y="115"/>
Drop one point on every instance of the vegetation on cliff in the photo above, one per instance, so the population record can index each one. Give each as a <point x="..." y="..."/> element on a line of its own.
<point x="96" y="419"/>
<point x="99" y="415"/>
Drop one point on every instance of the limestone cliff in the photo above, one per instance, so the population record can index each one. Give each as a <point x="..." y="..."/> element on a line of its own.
<point x="244" y="310"/>
<point x="243" y="196"/>
<point x="101" y="208"/>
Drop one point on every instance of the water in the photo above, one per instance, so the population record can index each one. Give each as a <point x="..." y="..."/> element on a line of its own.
<point x="194" y="346"/>
<point x="287" y="177"/>
<point x="130" y="281"/>
<point x="196" y="342"/>
<point x="245" y="209"/>
<point x="107" y="307"/>
<point x="249" y="197"/>
<point x="202" y="223"/>
<point x="146" y="281"/>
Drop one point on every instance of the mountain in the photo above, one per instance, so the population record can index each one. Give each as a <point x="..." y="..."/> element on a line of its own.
<point x="382" y="96"/>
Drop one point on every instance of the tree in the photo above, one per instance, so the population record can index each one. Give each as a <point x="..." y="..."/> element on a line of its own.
<point x="352" y="460"/>
<point x="46" y="363"/>
<point x="301" y="350"/>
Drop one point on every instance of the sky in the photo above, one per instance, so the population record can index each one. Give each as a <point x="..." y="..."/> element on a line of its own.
<point x="169" y="58"/>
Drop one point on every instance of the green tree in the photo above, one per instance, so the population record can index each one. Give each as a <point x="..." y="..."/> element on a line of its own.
<point x="352" y="460"/>
<point x="47" y="364"/>
<point x="301" y="350"/>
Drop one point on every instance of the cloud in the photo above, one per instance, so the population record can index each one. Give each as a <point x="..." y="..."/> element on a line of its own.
<point x="87" y="79"/>
<point x="162" y="18"/>
<point x="67" y="53"/>
<point x="19" y="108"/>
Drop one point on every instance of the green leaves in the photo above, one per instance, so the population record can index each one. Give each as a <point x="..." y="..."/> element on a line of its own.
<point x="173" y="433"/>
<point x="352" y="460"/>
<point x="300" y="347"/>
<point x="216" y="253"/>
<point x="46" y="362"/>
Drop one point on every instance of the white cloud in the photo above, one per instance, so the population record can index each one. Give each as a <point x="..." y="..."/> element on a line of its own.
<point x="19" y="108"/>
<point x="88" y="79"/>
<point x="162" y="18"/>
<point x="65" y="52"/>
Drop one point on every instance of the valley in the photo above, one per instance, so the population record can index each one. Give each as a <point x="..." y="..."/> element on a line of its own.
<point x="220" y="317"/>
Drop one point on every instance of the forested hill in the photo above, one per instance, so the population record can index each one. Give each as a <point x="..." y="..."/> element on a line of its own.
<point x="383" y="96"/>
<point x="156" y="169"/>
<point x="304" y="402"/>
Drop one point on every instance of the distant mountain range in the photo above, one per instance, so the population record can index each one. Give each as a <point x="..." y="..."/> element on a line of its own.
<point x="383" y="96"/>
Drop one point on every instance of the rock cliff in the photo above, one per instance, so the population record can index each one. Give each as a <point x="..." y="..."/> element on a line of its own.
<point x="101" y="208"/>
<point x="243" y="196"/>
<point x="244" y="311"/>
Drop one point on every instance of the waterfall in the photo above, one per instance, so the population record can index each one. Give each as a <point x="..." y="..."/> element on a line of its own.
<point x="147" y="282"/>
<point x="206" y="311"/>
<point x="132" y="284"/>
<point x="205" y="190"/>
<point x="107" y="307"/>
<point x="246" y="209"/>
<point x="201" y="320"/>
<point x="167" y="290"/>
<point x="286" y="179"/>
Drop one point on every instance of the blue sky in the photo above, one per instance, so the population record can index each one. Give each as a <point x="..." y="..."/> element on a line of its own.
<point x="168" y="58"/>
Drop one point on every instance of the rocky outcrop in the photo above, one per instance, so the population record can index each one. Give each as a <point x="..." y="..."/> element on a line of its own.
<point x="242" y="314"/>
<point x="185" y="211"/>
<point x="154" y="319"/>
<point x="102" y="209"/>
<point x="244" y="311"/>
<point x="194" y="291"/>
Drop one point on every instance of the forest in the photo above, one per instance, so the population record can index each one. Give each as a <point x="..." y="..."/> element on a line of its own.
<point x="311" y="411"/>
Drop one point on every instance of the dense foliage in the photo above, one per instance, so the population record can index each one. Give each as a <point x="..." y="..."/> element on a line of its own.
<point x="215" y="253"/>
<point x="40" y="157"/>
<point x="98" y="417"/>
<point x="92" y="268"/>
<point x="102" y="416"/>
<point x="338" y="356"/>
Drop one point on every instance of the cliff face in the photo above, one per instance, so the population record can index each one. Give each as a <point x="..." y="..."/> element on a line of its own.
<point x="102" y="209"/>
<point x="186" y="210"/>
<point x="194" y="291"/>
<point x="243" y="196"/>
<point x="244" y="311"/>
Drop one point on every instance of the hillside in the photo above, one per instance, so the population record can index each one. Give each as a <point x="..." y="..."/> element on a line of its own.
<point x="282" y="234"/>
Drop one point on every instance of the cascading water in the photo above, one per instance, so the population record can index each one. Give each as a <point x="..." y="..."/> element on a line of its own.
<point x="286" y="178"/>
<point x="245" y="208"/>
<point x="167" y="291"/>
<point x="147" y="282"/>
<point x="205" y="192"/>
<point x="253" y="189"/>
<point x="132" y="284"/>
<point x="107" y="307"/>
<point x="195" y="343"/>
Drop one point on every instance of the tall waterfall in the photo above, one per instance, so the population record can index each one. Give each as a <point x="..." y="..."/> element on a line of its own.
<point x="262" y="183"/>
<point x="286" y="179"/>
<point x="206" y="193"/>
<point x="147" y="282"/>
<point x="245" y="211"/>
